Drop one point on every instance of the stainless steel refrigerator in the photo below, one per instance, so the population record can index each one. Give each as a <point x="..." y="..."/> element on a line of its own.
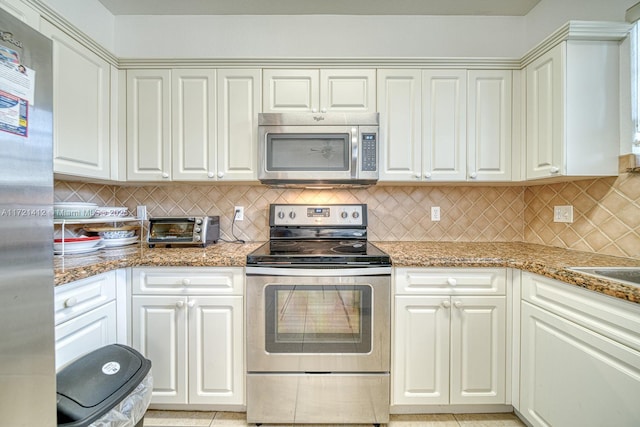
<point x="27" y="368"/>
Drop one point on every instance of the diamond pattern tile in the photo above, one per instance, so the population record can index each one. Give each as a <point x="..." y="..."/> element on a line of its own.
<point x="606" y="210"/>
<point x="606" y="215"/>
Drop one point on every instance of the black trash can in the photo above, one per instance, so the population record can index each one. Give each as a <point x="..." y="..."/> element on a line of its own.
<point x="110" y="386"/>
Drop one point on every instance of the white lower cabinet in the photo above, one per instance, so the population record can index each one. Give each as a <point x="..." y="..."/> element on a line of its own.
<point x="450" y="346"/>
<point x="192" y="333"/>
<point x="87" y="313"/>
<point x="580" y="362"/>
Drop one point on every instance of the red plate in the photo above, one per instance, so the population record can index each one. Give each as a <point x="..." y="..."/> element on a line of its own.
<point x="77" y="239"/>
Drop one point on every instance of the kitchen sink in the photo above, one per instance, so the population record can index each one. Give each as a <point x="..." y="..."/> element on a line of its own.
<point x="629" y="275"/>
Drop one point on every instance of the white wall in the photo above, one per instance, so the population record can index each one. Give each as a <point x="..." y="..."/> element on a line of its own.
<point x="549" y="15"/>
<point x="317" y="36"/>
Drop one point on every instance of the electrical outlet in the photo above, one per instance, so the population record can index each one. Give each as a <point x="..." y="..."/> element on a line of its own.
<point x="435" y="213"/>
<point x="239" y="213"/>
<point x="563" y="214"/>
<point x="141" y="212"/>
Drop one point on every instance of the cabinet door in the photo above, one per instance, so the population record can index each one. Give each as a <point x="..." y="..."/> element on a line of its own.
<point x="85" y="333"/>
<point x="478" y="350"/>
<point x="290" y="90"/>
<point x="159" y="332"/>
<point x="545" y="115"/>
<point x="148" y="125"/>
<point x="420" y="363"/>
<point x="193" y="115"/>
<point x="489" y="114"/>
<point x="399" y="103"/>
<point x="238" y="106"/>
<point x="348" y="91"/>
<point x="81" y="91"/>
<point x="444" y="139"/>
<point x="571" y="375"/>
<point x="216" y="357"/>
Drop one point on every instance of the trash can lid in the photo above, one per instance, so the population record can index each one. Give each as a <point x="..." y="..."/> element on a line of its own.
<point x="93" y="384"/>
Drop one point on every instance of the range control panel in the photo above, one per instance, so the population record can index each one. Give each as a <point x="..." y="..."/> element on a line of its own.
<point x="320" y="215"/>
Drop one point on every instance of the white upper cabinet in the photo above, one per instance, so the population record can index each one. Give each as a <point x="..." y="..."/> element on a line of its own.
<point x="400" y="106"/>
<point x="444" y="139"/>
<point x="81" y="101"/>
<point x="489" y="125"/>
<point x="23" y="12"/>
<point x="322" y="90"/>
<point x="192" y="125"/>
<point x="238" y="107"/>
<point x="193" y="115"/>
<point x="572" y="104"/>
<point x="445" y="125"/>
<point x="149" y="125"/>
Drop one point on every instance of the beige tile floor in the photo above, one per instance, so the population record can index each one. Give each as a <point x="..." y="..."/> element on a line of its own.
<point x="214" y="419"/>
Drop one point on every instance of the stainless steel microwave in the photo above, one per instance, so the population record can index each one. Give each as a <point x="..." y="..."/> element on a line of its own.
<point x="318" y="149"/>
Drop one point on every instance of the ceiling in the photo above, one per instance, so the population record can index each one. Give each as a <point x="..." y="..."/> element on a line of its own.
<point x="320" y="7"/>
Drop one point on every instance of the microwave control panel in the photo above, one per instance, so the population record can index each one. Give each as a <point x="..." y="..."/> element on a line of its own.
<point x="369" y="152"/>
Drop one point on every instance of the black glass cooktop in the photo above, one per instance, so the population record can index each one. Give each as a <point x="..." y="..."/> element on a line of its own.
<point x="318" y="252"/>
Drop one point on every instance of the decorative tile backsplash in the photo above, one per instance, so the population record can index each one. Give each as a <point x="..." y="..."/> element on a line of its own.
<point x="606" y="210"/>
<point x="606" y="215"/>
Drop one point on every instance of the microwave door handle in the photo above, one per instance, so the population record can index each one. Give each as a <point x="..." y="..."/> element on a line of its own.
<point x="355" y="148"/>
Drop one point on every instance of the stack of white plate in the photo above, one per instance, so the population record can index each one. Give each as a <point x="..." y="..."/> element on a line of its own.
<point x="77" y="245"/>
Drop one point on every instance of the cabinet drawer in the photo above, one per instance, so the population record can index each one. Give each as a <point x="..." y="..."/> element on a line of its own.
<point x="76" y="298"/>
<point x="188" y="281"/>
<point x="615" y="318"/>
<point x="450" y="281"/>
<point x="85" y="333"/>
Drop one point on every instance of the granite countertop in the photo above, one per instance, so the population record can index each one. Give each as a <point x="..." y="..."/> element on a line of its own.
<point x="544" y="260"/>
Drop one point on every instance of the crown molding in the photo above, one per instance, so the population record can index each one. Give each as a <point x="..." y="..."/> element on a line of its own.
<point x="572" y="30"/>
<point x="327" y="62"/>
<point x="578" y="30"/>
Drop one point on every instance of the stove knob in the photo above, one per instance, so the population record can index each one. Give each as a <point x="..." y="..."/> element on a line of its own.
<point x="281" y="215"/>
<point x="344" y="215"/>
<point x="198" y="221"/>
<point x="355" y="215"/>
<point x="196" y="238"/>
<point x="197" y="229"/>
<point x="292" y="215"/>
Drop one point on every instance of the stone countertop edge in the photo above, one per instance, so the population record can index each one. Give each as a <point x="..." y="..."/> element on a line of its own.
<point x="544" y="260"/>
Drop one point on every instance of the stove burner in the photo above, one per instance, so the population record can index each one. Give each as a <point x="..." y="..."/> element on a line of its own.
<point x="350" y="248"/>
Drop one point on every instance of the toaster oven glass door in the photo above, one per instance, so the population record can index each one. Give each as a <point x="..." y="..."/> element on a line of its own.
<point x="171" y="232"/>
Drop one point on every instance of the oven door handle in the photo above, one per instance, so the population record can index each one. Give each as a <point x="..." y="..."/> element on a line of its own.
<point x="325" y="272"/>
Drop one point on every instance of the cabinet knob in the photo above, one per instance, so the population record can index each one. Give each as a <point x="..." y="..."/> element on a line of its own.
<point x="323" y="110"/>
<point x="186" y="282"/>
<point x="211" y="174"/>
<point x="554" y="169"/>
<point x="473" y="175"/>
<point x="220" y="174"/>
<point x="427" y="175"/>
<point x="451" y="281"/>
<point x="70" y="302"/>
<point x="417" y="176"/>
<point x="165" y="175"/>
<point x="191" y="303"/>
<point x="314" y="110"/>
<point x="457" y="304"/>
<point x="445" y="304"/>
<point x="180" y="304"/>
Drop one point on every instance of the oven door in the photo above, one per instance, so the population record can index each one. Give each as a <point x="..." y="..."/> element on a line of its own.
<point x="318" y="323"/>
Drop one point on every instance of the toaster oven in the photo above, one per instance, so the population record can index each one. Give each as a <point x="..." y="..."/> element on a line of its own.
<point x="193" y="230"/>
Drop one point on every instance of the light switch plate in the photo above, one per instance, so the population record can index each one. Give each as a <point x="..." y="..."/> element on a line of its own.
<point x="563" y="214"/>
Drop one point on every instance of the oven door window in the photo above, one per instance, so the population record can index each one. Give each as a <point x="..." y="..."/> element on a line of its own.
<point x="308" y="152"/>
<point x="318" y="318"/>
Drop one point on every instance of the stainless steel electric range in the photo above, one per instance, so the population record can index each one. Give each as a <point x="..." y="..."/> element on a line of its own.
<point x="318" y="316"/>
